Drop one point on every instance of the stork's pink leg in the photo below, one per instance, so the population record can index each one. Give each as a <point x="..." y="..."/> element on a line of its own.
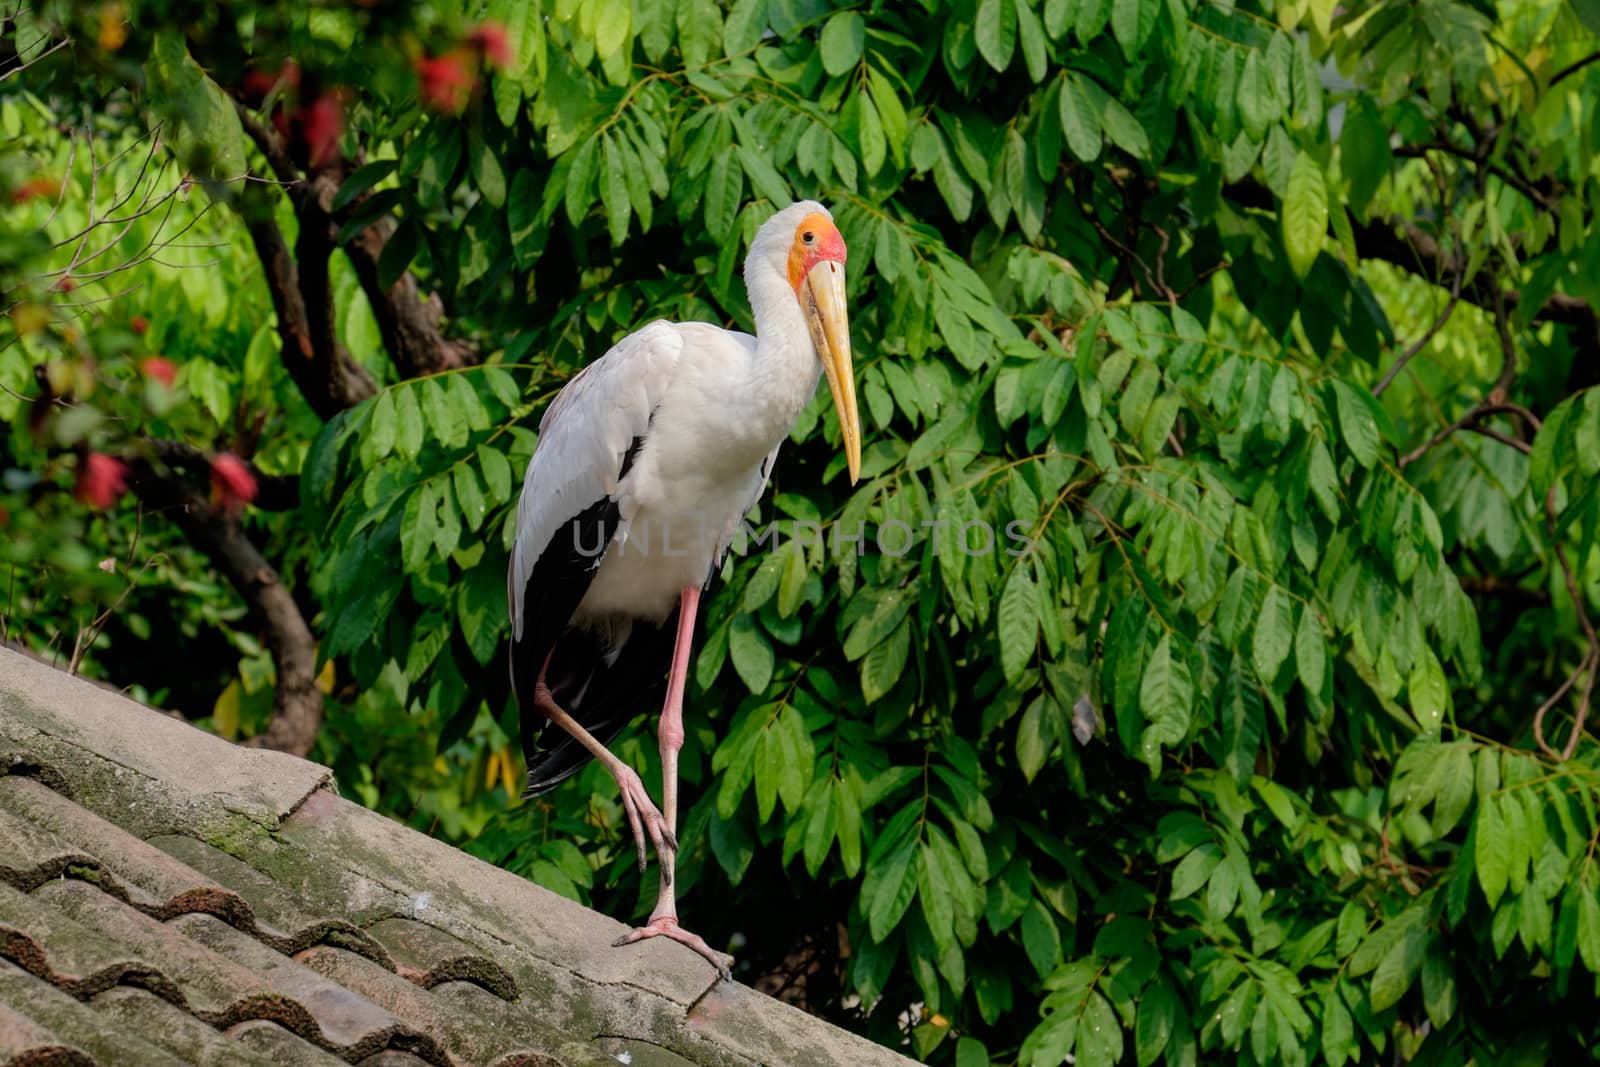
<point x="643" y="816"/>
<point x="664" y="919"/>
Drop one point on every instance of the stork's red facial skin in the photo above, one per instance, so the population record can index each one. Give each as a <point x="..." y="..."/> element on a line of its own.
<point x="816" y="240"/>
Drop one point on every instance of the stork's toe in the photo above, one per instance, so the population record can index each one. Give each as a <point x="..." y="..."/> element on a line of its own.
<point x="667" y="926"/>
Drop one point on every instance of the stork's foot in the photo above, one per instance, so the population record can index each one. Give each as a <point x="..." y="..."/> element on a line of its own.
<point x="667" y="926"/>
<point x="648" y="824"/>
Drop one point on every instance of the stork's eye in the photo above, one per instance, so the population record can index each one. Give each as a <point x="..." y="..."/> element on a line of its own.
<point x="809" y="238"/>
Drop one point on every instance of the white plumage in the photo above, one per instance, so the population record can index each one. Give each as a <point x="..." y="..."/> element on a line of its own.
<point x="647" y="463"/>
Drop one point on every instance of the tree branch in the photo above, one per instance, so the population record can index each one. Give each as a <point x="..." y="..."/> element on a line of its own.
<point x="328" y="378"/>
<point x="274" y="492"/>
<point x="1421" y="342"/>
<point x="297" y="702"/>
<point x="1544" y="197"/>
<point x="271" y="147"/>
<point x="1590" y="665"/>
<point x="1572" y="68"/>
<point x="1495" y="400"/>
<point x="408" y="321"/>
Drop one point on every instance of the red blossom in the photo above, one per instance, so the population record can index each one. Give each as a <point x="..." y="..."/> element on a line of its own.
<point x="139" y="325"/>
<point x="32" y="188"/>
<point x="66" y="284"/>
<point x="490" y="39"/>
<point x="161" y="369"/>
<point x="447" y="80"/>
<point x="232" y="484"/>
<point x="101" y="480"/>
<point x="323" y="125"/>
<point x="258" y="83"/>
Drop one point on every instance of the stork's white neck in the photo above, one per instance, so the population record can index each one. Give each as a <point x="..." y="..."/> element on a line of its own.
<point x="784" y="372"/>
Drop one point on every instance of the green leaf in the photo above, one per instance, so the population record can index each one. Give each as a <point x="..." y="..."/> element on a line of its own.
<point x="752" y="654"/>
<point x="1018" y="621"/>
<point x="1194" y="871"/>
<point x="1274" y="634"/>
<point x="1165" y="696"/>
<point x="398" y="252"/>
<point x="881" y="668"/>
<point x="893" y="882"/>
<point x="496" y="470"/>
<point x="204" y="129"/>
<point x="408" y="416"/>
<point x="1492" y="848"/>
<point x="580" y="179"/>
<point x="724" y="187"/>
<point x="1158" y="1011"/>
<point x="383" y="426"/>
<point x="1338" y="1029"/>
<point x="1243" y="722"/>
<point x="1099" y="1034"/>
<point x="1041" y="939"/>
<point x="1588" y="932"/>
<point x="1125" y="131"/>
<point x="1398" y="969"/>
<point x="1080" y="119"/>
<point x="1305" y="214"/>
<point x="614" y="190"/>
<point x="1031" y="33"/>
<point x="469" y="495"/>
<point x="747" y="20"/>
<point x="361" y="179"/>
<point x="1356" y="423"/>
<point x="487" y="173"/>
<point x="970" y="1052"/>
<point x="843" y="36"/>
<point x="1430" y="694"/>
<point x="995" y="32"/>
<point x="1310" y="651"/>
<point x="612" y="21"/>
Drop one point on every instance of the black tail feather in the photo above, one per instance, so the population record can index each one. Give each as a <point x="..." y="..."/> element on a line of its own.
<point x="602" y="697"/>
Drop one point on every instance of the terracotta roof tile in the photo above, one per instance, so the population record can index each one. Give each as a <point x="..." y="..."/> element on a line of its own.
<point x="283" y="920"/>
<point x="74" y="958"/>
<point x="282" y="1048"/>
<point x="429" y="956"/>
<point x="95" y="1037"/>
<point x="31" y="856"/>
<point x="342" y="1021"/>
<point x="457" y="1010"/>
<point x="23" y="1041"/>
<point x="141" y="874"/>
<point x="175" y="1030"/>
<point x="166" y="897"/>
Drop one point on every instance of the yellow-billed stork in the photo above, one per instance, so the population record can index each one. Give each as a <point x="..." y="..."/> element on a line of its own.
<point x="647" y="462"/>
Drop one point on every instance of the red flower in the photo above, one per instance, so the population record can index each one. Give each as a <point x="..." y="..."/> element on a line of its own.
<point x="160" y="368"/>
<point x="32" y="188"/>
<point x="447" y="80"/>
<point x="139" y="325"/>
<point x="323" y="123"/>
<point x="490" y="39"/>
<point x="66" y="284"/>
<point x="258" y="83"/>
<point x="232" y="484"/>
<point x="101" y="480"/>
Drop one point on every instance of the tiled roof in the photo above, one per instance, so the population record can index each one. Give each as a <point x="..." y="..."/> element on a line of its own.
<point x="167" y="897"/>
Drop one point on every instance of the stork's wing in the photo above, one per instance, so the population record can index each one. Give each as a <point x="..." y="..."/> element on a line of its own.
<point x="585" y="444"/>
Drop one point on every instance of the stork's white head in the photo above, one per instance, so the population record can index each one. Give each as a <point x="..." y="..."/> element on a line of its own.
<point x="802" y="243"/>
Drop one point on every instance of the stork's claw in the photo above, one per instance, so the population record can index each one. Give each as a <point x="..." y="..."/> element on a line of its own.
<point x="667" y="926"/>
<point x="647" y="822"/>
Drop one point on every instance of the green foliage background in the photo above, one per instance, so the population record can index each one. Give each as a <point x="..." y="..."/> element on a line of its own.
<point x="1239" y="764"/>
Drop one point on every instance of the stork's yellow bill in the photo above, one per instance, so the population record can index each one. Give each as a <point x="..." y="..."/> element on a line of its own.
<point x="816" y="270"/>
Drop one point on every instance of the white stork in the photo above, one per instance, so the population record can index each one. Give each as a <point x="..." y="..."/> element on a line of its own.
<point x="647" y="462"/>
